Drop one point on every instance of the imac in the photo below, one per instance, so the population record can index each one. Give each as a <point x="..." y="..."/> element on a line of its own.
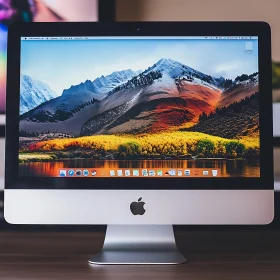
<point x="139" y="126"/>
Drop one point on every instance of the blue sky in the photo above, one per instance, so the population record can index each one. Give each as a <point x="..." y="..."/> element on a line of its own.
<point x="63" y="63"/>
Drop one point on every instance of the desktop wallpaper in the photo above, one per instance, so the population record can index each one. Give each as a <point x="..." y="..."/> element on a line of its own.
<point x="160" y="106"/>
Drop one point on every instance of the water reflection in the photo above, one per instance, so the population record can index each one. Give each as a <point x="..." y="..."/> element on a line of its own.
<point x="233" y="168"/>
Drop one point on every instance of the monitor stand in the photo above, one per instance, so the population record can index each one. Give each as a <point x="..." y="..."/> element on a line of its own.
<point x="139" y="244"/>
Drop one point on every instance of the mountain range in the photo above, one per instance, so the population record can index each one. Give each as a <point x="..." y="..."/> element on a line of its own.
<point x="101" y="85"/>
<point x="166" y="94"/>
<point x="72" y="97"/>
<point x="33" y="93"/>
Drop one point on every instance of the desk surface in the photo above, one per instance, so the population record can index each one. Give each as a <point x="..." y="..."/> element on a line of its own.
<point x="226" y="254"/>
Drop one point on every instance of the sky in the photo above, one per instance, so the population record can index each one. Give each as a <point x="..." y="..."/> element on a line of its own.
<point x="62" y="63"/>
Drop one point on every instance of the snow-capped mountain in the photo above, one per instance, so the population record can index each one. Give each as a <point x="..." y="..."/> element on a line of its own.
<point x="176" y="69"/>
<point x="33" y="93"/>
<point x="166" y="94"/>
<point x="119" y="77"/>
<point x="125" y="101"/>
<point x="101" y="85"/>
<point x="79" y="96"/>
<point x="172" y="67"/>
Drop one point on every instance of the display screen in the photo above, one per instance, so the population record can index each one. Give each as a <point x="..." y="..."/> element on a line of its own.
<point x="139" y="107"/>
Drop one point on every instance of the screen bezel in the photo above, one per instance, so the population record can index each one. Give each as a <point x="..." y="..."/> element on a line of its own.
<point x="260" y="29"/>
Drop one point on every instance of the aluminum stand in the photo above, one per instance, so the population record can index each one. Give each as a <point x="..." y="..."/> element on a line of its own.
<point x="139" y="244"/>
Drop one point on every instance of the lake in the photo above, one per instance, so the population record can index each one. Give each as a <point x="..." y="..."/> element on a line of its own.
<point x="228" y="168"/>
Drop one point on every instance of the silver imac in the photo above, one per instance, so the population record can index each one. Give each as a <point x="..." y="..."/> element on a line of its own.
<point x="140" y="126"/>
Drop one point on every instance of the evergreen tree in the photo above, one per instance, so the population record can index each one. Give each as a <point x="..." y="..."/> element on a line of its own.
<point x="228" y="83"/>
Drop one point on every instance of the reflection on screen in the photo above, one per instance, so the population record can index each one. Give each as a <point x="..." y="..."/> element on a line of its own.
<point x="139" y="107"/>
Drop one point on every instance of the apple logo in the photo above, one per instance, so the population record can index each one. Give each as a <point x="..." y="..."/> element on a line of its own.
<point x="137" y="208"/>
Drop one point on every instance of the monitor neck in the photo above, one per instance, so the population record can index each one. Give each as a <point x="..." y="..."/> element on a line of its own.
<point x="139" y="244"/>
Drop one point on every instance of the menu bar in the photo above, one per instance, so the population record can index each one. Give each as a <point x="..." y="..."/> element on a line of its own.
<point x="79" y="38"/>
<point x="139" y="172"/>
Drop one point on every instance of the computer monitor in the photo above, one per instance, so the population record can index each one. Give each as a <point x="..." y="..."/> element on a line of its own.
<point x="139" y="126"/>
